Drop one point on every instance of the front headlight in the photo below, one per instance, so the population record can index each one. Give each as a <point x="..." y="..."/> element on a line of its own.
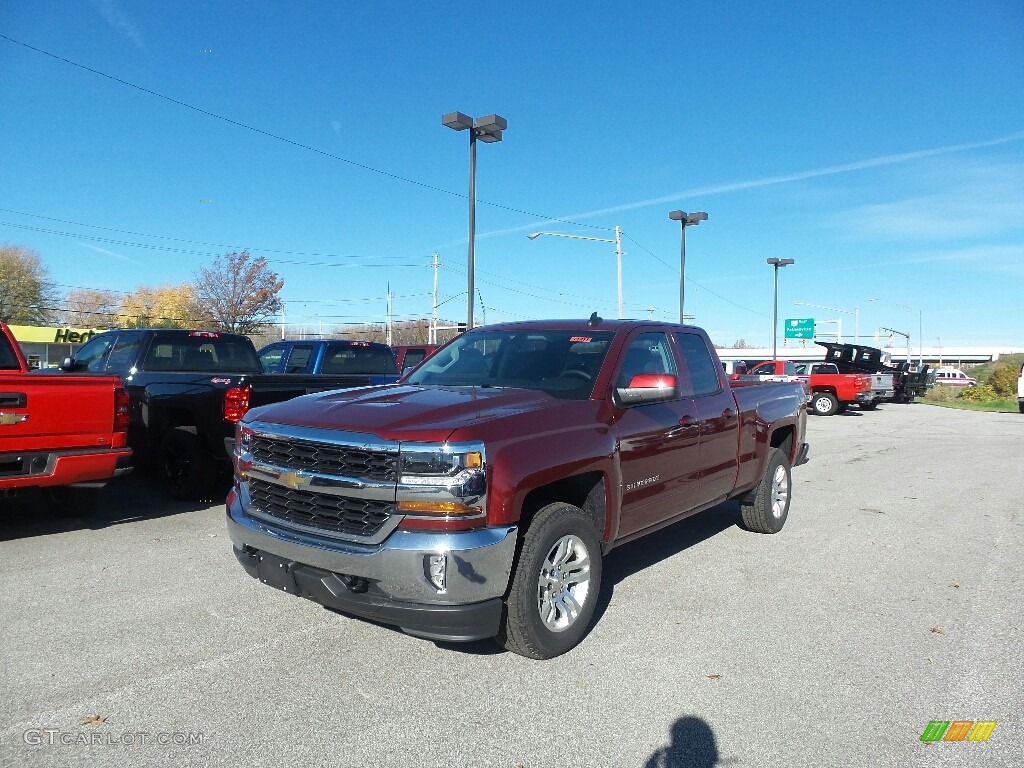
<point x="446" y="479"/>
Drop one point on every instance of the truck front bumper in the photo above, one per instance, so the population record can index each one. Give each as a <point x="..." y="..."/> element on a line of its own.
<point x="439" y="585"/>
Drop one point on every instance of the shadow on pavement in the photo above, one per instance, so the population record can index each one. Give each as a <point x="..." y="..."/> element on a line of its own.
<point x="137" y="496"/>
<point x="692" y="746"/>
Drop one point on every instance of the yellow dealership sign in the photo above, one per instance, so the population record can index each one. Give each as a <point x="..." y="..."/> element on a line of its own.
<point x="31" y="334"/>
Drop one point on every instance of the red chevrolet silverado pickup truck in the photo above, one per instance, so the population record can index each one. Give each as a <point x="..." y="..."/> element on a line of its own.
<point x="477" y="497"/>
<point x="66" y="435"/>
<point x="831" y="391"/>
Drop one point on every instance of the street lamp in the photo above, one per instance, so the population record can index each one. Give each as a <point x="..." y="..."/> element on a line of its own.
<point x="618" y="252"/>
<point x="855" y="313"/>
<point x="488" y="129"/>
<point x="775" y="307"/>
<point x="920" y="328"/>
<point x="685" y="220"/>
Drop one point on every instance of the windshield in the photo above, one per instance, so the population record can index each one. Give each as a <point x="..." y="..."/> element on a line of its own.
<point x="561" y="363"/>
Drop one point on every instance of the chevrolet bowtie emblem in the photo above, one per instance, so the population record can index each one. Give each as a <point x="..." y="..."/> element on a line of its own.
<point x="10" y="419"/>
<point x="294" y="480"/>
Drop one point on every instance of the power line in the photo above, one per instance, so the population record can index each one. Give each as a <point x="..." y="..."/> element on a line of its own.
<point x="286" y="140"/>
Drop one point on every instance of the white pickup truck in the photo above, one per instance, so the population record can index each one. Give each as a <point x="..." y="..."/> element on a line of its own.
<point x="1020" y="390"/>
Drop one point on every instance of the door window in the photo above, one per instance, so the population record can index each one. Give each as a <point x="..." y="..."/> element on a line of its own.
<point x="90" y="356"/>
<point x="647" y="353"/>
<point x="699" y="371"/>
<point x="124" y="352"/>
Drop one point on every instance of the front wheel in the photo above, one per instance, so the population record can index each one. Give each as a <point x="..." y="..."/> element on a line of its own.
<point x="555" y="585"/>
<point x="766" y="508"/>
<point x="824" y="403"/>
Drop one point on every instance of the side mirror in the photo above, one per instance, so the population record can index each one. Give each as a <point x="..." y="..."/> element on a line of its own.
<point x="648" y="388"/>
<point x="68" y="364"/>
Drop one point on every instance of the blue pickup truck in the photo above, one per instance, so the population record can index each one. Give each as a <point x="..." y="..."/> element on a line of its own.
<point x="331" y="356"/>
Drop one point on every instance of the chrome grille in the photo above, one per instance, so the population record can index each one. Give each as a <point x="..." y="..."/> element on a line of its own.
<point x="325" y="458"/>
<point x="340" y="514"/>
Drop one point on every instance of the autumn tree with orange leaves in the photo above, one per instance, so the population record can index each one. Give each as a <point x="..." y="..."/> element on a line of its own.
<point x="238" y="293"/>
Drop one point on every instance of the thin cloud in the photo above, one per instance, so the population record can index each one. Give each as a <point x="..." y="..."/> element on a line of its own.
<point x="119" y="21"/>
<point x="767" y="181"/>
<point x="110" y="253"/>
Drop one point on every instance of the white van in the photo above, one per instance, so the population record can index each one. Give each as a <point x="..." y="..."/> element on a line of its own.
<point x="953" y="377"/>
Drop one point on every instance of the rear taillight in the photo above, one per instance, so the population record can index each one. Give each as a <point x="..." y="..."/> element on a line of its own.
<point x="236" y="403"/>
<point x="120" y="409"/>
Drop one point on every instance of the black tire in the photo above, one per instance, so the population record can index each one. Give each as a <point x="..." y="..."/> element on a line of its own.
<point x="869" y="406"/>
<point x="766" y="508"/>
<point x="1021" y="406"/>
<point x="559" y="535"/>
<point x="65" y="501"/>
<point x="185" y="467"/>
<point x="824" y="403"/>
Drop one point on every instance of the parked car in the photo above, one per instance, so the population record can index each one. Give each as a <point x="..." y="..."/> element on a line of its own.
<point x="907" y="383"/>
<point x="330" y="356"/>
<point x="1020" y="390"/>
<point x="67" y="436"/>
<point x="408" y="356"/>
<point x="188" y="388"/>
<point x="953" y="377"/>
<point x="831" y="391"/>
<point x="477" y="497"/>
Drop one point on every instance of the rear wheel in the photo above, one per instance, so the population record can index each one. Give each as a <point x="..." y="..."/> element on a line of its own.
<point x="869" y="406"/>
<point x="185" y="468"/>
<point x="65" y="501"/>
<point x="824" y="403"/>
<point x="766" y="508"/>
<point x="555" y="584"/>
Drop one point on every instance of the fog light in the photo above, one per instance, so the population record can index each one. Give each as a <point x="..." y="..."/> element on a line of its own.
<point x="437" y="566"/>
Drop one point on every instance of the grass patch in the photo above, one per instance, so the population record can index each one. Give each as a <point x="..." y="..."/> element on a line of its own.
<point x="1002" y="405"/>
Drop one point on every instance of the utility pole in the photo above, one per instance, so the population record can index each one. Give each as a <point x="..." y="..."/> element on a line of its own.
<point x="432" y="332"/>
<point x="390" y="297"/>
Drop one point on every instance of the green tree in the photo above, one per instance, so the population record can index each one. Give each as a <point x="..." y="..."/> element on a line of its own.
<point x="27" y="296"/>
<point x="238" y="293"/>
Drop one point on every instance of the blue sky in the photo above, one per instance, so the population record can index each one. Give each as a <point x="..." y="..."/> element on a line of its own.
<point x="879" y="144"/>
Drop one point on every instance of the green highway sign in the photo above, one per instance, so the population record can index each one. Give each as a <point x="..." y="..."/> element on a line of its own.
<point x="802" y="328"/>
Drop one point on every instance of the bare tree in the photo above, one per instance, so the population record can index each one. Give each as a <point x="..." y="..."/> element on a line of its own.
<point x="26" y="293"/>
<point x="238" y="293"/>
<point x="89" y="308"/>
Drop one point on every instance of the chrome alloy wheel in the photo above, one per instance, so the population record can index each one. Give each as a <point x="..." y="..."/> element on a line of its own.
<point x="564" y="583"/>
<point x="780" y="491"/>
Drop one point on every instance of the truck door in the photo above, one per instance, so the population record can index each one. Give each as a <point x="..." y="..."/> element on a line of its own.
<point x="717" y="416"/>
<point x="658" y="442"/>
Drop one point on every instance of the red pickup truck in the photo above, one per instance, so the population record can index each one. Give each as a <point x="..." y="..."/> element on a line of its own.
<point x="831" y="391"/>
<point x="477" y="497"/>
<point x="66" y="435"/>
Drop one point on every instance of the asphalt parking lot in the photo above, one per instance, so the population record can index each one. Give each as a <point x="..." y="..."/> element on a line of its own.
<point x="892" y="598"/>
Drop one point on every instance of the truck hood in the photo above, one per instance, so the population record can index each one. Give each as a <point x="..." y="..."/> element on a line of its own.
<point x="404" y="412"/>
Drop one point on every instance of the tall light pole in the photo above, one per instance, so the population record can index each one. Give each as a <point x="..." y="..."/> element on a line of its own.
<point x="618" y="252"/>
<point x="685" y="220"/>
<point x="855" y="313"/>
<point x="775" y="305"/>
<point x="488" y="129"/>
<point x="920" y="330"/>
